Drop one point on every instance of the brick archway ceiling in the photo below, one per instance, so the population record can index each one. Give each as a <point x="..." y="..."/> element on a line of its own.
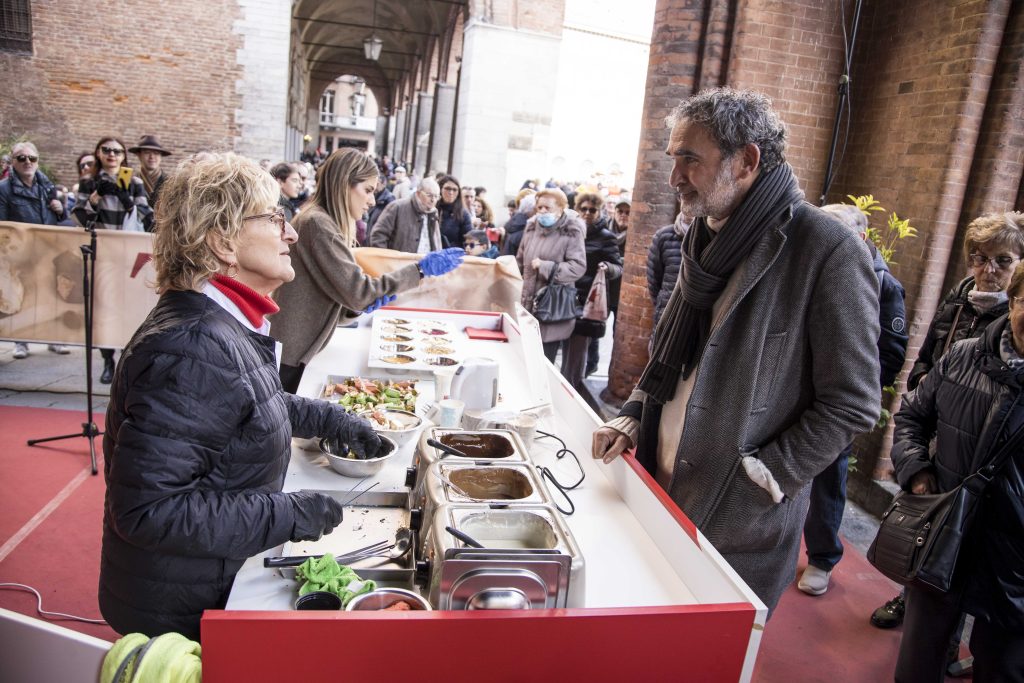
<point x="332" y="35"/>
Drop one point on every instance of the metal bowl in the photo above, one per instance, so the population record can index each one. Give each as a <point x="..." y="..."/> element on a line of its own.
<point x="401" y="437"/>
<point x="357" y="469"/>
<point x="385" y="597"/>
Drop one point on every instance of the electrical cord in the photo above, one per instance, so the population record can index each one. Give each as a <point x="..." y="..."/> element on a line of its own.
<point x="546" y="473"/>
<point x="43" y="613"/>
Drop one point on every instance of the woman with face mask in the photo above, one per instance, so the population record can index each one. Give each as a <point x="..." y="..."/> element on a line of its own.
<point x="552" y="252"/>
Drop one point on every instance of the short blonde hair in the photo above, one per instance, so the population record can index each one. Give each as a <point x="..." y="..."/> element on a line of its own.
<point x="999" y="229"/>
<point x="207" y="196"/>
<point x="555" y="194"/>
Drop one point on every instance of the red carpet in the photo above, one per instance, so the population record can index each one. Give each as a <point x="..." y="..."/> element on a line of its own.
<point x="60" y="556"/>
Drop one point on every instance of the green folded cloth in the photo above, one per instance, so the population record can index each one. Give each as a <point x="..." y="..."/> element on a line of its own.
<point x="325" y="574"/>
<point x="169" y="658"/>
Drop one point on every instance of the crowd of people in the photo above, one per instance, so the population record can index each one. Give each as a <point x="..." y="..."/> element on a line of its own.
<point x="777" y="324"/>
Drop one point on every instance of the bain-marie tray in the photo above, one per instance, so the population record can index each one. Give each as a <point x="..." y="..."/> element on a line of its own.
<point x="402" y="342"/>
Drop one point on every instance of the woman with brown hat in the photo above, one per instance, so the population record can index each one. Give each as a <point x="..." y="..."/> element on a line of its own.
<point x="150" y="154"/>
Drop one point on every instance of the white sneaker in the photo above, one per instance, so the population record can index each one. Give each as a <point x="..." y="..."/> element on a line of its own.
<point x="59" y="349"/>
<point x="814" y="581"/>
<point x="20" y="350"/>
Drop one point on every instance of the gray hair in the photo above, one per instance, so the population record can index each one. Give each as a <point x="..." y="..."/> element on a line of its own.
<point x="24" y="143"/>
<point x="849" y="215"/>
<point x="429" y="185"/>
<point x="736" y="118"/>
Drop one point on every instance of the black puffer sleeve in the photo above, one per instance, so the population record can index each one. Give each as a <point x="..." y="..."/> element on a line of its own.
<point x="181" y="413"/>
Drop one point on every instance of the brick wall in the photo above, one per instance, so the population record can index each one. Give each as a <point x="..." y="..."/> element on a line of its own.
<point x="923" y="83"/>
<point x="163" y="73"/>
<point x="936" y="132"/>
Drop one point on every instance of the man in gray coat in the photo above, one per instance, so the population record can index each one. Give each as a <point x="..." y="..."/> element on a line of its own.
<point x="410" y="224"/>
<point x="764" y="363"/>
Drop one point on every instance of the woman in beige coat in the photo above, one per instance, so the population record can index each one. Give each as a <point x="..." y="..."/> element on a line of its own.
<point x="329" y="285"/>
<point x="552" y="252"/>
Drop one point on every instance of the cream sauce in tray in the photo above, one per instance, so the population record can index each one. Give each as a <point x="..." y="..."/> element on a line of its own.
<point x="410" y="343"/>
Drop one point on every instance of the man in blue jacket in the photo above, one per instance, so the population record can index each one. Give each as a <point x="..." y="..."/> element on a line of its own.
<point x="828" y="492"/>
<point x="28" y="196"/>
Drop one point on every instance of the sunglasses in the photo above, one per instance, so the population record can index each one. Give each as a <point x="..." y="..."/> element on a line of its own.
<point x="25" y="157"/>
<point x="115" y="151"/>
<point x="87" y="164"/>
<point x="473" y="245"/>
<point x="588" y="209"/>
<point x="277" y="218"/>
<point x="1000" y="262"/>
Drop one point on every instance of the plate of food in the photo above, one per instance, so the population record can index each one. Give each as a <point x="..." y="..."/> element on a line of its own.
<point x="357" y="394"/>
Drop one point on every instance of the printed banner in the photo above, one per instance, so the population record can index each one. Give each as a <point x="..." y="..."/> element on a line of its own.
<point x="41" y="289"/>
<point x="479" y="284"/>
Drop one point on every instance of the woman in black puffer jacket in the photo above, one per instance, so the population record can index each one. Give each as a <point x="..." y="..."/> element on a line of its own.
<point x="971" y="404"/>
<point x="992" y="245"/>
<point x="663" y="261"/>
<point x="198" y="433"/>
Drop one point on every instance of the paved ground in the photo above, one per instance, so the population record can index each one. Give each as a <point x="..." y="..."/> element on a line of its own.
<point x="46" y="380"/>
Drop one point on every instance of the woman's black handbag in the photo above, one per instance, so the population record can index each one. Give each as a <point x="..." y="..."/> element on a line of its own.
<point x="555" y="303"/>
<point x="919" y="540"/>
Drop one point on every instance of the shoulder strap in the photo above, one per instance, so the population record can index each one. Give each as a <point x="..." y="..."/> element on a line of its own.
<point x="952" y="330"/>
<point x="1012" y="445"/>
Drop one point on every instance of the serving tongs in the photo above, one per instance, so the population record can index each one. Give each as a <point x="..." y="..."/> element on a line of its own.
<point x="347" y="558"/>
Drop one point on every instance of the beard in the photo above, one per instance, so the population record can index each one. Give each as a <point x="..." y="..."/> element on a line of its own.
<point x="718" y="200"/>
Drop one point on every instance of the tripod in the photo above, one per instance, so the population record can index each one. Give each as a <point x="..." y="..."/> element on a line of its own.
<point x="89" y="429"/>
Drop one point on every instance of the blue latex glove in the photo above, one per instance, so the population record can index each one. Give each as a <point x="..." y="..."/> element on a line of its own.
<point x="440" y="262"/>
<point x="380" y="303"/>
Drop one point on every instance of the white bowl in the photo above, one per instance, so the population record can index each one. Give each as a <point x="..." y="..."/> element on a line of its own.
<point x="401" y="437"/>
<point x="357" y="469"/>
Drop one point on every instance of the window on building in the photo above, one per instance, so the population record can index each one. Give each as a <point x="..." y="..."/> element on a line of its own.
<point x="327" y="107"/>
<point x="330" y="144"/>
<point x="16" y="25"/>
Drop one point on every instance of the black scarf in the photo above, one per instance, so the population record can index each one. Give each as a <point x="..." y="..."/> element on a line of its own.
<point x="708" y="262"/>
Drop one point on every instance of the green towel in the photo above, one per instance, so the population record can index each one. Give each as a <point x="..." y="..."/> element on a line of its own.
<point x="170" y="658"/>
<point x="123" y="651"/>
<point x="325" y="574"/>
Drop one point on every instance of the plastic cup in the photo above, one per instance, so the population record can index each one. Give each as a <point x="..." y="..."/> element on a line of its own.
<point x="451" y="413"/>
<point x="525" y="425"/>
<point x="443" y="383"/>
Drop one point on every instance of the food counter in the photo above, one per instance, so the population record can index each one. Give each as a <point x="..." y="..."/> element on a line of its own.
<point x="658" y="602"/>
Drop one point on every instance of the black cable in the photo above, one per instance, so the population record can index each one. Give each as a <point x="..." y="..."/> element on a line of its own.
<point x="561" y="453"/>
<point x="546" y="473"/>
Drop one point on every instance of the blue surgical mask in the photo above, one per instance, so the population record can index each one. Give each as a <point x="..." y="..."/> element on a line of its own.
<point x="546" y="219"/>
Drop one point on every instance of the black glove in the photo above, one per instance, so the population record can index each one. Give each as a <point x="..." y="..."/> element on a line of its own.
<point x="357" y="433"/>
<point x="315" y="515"/>
<point x="105" y="186"/>
<point x="126" y="199"/>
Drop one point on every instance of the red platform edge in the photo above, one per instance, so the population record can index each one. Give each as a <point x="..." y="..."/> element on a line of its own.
<point x="638" y="643"/>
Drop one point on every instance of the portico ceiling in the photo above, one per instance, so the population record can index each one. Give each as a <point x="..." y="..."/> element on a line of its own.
<point x="332" y="35"/>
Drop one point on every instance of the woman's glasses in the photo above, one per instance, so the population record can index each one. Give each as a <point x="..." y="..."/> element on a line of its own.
<point x="277" y="218"/>
<point x="85" y="164"/>
<point x="26" y="157"/>
<point x="998" y="262"/>
<point x="588" y="209"/>
<point x="113" y="151"/>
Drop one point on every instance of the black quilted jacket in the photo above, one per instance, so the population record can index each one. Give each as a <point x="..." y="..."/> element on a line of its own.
<point x="198" y="436"/>
<point x="969" y="323"/>
<point x="972" y="402"/>
<point x="663" y="261"/>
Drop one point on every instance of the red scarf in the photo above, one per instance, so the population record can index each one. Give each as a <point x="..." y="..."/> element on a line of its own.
<point x="252" y="304"/>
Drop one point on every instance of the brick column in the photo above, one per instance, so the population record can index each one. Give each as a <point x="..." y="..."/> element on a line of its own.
<point x="686" y="52"/>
